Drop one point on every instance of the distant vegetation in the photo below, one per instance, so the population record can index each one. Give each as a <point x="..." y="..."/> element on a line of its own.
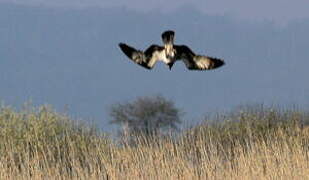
<point x="39" y="143"/>
<point x="148" y="116"/>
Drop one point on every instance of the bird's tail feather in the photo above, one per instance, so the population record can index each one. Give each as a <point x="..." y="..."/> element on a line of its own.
<point x="168" y="37"/>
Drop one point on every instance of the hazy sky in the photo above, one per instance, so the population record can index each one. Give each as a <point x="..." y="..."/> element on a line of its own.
<point x="70" y="58"/>
<point x="278" y="10"/>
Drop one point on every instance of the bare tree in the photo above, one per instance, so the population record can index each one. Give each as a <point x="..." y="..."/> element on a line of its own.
<point x="149" y="116"/>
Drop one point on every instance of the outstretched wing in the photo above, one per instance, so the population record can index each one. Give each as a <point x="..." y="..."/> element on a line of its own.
<point x="196" y="62"/>
<point x="146" y="59"/>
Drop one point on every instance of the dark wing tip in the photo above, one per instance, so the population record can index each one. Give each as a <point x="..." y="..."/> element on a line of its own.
<point x="122" y="45"/>
<point x="127" y="50"/>
<point x="217" y="62"/>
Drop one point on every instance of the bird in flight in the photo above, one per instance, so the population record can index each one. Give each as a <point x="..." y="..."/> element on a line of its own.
<point x="169" y="54"/>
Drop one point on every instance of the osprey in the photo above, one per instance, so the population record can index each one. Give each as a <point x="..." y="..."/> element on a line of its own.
<point x="169" y="54"/>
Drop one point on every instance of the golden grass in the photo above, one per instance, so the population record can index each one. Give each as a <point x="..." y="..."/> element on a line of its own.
<point x="42" y="144"/>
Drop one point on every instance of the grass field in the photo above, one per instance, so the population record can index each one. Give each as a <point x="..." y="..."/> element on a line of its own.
<point x="39" y="143"/>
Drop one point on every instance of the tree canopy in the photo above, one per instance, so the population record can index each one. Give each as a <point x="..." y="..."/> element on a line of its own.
<point x="149" y="115"/>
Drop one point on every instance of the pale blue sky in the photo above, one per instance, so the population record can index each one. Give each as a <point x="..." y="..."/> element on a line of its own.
<point x="277" y="10"/>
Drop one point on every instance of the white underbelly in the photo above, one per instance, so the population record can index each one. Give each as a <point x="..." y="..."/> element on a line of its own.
<point x="162" y="57"/>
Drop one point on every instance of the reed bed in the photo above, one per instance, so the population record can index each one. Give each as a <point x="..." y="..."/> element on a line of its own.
<point x="39" y="143"/>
